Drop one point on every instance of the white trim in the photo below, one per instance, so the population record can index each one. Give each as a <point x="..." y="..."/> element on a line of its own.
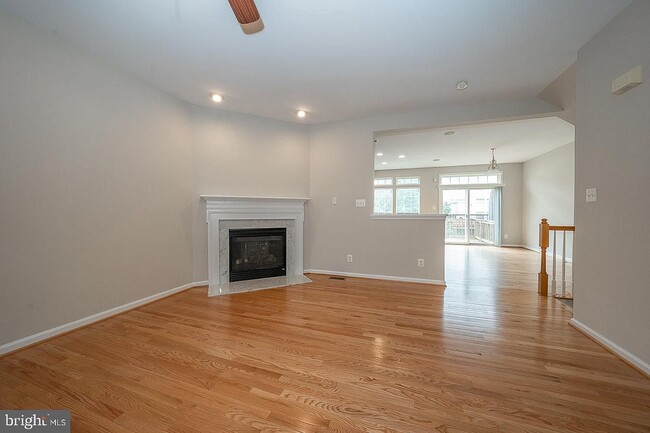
<point x="406" y="185"/>
<point x="220" y="208"/>
<point x="407" y="216"/>
<point x="613" y="347"/>
<point x="394" y="187"/>
<point x="513" y="246"/>
<point x="498" y="173"/>
<point x="377" y="277"/>
<point x="382" y="185"/>
<point x="470" y="173"/>
<point x="473" y="186"/>
<point x="70" y="326"/>
<point x="251" y="198"/>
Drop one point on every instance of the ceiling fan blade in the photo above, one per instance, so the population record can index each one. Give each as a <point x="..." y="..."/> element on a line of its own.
<point x="247" y="15"/>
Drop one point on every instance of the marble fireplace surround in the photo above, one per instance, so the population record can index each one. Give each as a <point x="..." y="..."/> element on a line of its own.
<point x="224" y="213"/>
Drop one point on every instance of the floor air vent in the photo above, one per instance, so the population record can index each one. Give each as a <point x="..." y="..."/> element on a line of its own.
<point x="338" y="278"/>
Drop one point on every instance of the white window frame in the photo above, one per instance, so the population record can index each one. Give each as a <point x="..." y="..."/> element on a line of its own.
<point x="391" y="187"/>
<point x="383" y="185"/>
<point x="467" y="186"/>
<point x="499" y="181"/>
<point x="407" y="185"/>
<point x="394" y="186"/>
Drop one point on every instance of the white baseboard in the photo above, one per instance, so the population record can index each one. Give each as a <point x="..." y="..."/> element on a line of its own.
<point x="513" y="246"/>
<point x="53" y="332"/>
<point x="628" y="357"/>
<point x="377" y="277"/>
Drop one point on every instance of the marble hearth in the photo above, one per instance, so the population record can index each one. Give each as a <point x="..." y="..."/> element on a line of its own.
<point x="224" y="213"/>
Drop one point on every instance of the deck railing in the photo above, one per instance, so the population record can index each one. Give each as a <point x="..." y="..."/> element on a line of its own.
<point x="560" y="290"/>
<point x="484" y="230"/>
<point x="480" y="228"/>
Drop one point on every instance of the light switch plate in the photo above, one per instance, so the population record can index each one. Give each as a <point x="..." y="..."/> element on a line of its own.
<point x="361" y="202"/>
<point x="592" y="195"/>
<point x="333" y="200"/>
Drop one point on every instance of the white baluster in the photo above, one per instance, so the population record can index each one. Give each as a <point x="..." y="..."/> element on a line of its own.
<point x="573" y="282"/>
<point x="563" y="263"/>
<point x="553" y="283"/>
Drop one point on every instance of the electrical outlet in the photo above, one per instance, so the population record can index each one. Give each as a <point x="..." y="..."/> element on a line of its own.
<point x="361" y="202"/>
<point x="420" y="263"/>
<point x="506" y="236"/>
<point x="333" y="200"/>
<point x="349" y="258"/>
<point x="592" y="195"/>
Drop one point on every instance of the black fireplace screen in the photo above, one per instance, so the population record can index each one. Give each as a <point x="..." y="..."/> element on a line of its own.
<point x="257" y="253"/>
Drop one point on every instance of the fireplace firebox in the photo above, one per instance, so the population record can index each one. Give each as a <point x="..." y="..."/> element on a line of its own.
<point x="257" y="253"/>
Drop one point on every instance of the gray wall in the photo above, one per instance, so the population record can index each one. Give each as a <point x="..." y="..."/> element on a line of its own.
<point x="95" y="185"/>
<point x="100" y="175"/>
<point x="613" y="154"/>
<point x="239" y="154"/>
<point x="511" y="199"/>
<point x="341" y="165"/>
<point x="548" y="192"/>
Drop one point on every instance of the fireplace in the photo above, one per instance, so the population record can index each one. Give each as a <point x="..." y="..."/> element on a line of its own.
<point x="257" y="253"/>
<point x="225" y="214"/>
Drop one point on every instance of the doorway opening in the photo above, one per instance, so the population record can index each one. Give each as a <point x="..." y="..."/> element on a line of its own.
<point x="474" y="215"/>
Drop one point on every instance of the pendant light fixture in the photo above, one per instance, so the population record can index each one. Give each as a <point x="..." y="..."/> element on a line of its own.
<point x="493" y="164"/>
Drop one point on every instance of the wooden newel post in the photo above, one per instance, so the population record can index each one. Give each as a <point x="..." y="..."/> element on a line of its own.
<point x="542" y="277"/>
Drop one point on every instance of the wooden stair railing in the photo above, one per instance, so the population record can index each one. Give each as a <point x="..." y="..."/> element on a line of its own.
<point x="542" y="277"/>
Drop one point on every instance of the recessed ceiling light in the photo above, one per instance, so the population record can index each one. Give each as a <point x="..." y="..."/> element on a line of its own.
<point x="301" y="113"/>
<point x="448" y="133"/>
<point x="401" y="156"/>
<point x="380" y="154"/>
<point x="216" y="97"/>
<point x="384" y="163"/>
<point x="462" y="85"/>
<point x="437" y="159"/>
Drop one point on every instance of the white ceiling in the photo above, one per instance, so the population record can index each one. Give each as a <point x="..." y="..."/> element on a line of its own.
<point x="515" y="141"/>
<point x="338" y="59"/>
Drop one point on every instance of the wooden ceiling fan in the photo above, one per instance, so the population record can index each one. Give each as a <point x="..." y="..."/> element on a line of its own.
<point x="247" y="15"/>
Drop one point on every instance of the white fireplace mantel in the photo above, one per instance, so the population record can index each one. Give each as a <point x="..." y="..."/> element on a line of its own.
<point x="233" y="208"/>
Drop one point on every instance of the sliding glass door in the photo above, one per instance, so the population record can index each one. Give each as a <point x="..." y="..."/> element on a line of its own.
<point x="455" y="205"/>
<point x="473" y="215"/>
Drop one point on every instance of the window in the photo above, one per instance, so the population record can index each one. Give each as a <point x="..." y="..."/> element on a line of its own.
<point x="408" y="201"/>
<point x="408" y="181"/>
<point x="400" y="197"/>
<point x="383" y="200"/>
<point x="384" y="195"/>
<point x="384" y="181"/>
<point x="471" y="179"/>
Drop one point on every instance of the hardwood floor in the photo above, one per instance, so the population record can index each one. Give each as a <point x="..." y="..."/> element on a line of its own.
<point x="334" y="356"/>
<point x="476" y="266"/>
<point x="484" y="266"/>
